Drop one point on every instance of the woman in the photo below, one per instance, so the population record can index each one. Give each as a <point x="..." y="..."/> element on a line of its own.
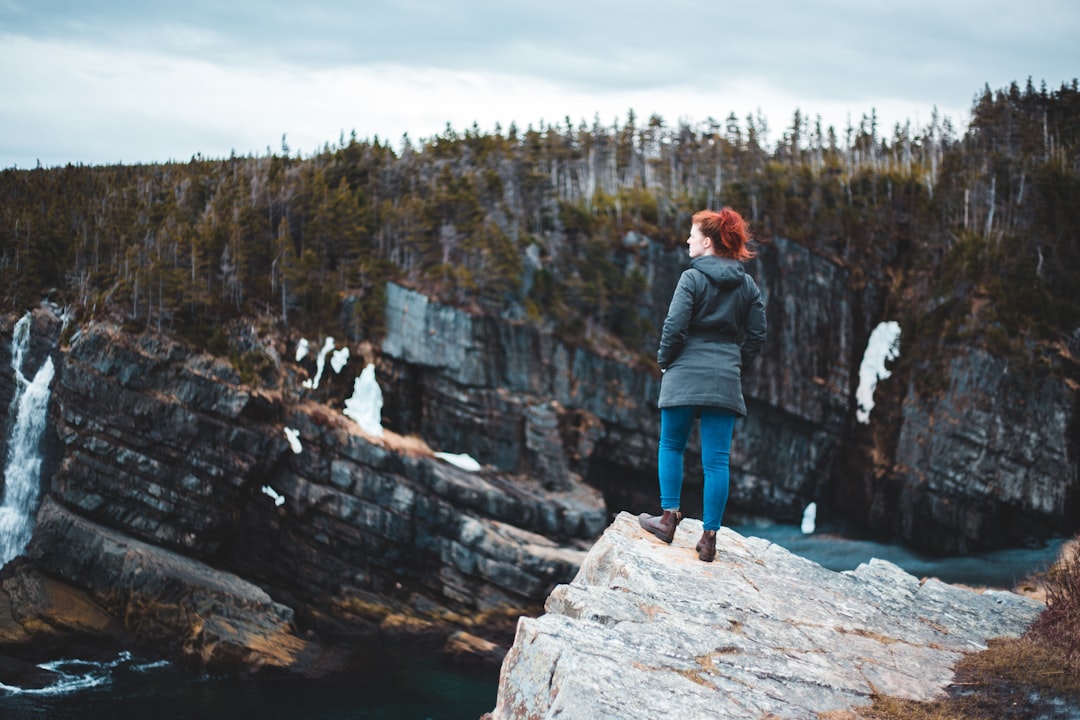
<point x="714" y="329"/>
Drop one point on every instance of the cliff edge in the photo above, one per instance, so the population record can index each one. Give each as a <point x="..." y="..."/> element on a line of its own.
<point x="647" y="630"/>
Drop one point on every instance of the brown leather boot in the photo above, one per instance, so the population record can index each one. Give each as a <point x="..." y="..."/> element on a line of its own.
<point x="706" y="546"/>
<point x="662" y="526"/>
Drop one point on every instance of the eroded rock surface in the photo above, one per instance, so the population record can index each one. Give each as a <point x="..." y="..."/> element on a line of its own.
<point x="648" y="630"/>
<point x="178" y="508"/>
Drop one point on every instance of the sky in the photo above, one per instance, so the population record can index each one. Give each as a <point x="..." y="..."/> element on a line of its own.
<point x="136" y="81"/>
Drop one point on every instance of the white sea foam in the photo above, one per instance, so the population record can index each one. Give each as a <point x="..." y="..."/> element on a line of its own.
<point x="75" y="675"/>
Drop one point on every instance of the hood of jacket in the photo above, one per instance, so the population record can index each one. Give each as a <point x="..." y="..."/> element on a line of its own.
<point x="722" y="272"/>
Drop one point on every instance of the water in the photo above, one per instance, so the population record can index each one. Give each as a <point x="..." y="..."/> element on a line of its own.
<point x="402" y="687"/>
<point x="22" y="472"/>
<point x="127" y="689"/>
<point x="1001" y="569"/>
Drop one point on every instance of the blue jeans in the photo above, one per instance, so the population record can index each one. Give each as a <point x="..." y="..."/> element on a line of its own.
<point x="717" y="426"/>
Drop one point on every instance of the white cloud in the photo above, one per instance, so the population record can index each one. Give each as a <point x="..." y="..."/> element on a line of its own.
<point x="136" y="82"/>
<point x="84" y="104"/>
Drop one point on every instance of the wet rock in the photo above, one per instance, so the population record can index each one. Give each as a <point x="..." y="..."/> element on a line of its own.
<point x="173" y="604"/>
<point x="42" y="617"/>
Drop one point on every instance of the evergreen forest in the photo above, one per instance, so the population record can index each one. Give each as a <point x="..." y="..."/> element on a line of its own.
<point x="536" y="225"/>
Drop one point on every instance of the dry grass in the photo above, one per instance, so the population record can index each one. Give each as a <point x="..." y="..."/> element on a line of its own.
<point x="1015" y="678"/>
<point x="1059" y="624"/>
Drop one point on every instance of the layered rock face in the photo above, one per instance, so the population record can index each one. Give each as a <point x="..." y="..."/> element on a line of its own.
<point x="648" y="630"/>
<point x="178" y="508"/>
<point x="521" y="400"/>
<point x="990" y="460"/>
<point x="165" y="449"/>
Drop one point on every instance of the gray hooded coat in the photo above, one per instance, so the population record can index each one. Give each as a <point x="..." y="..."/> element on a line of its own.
<point x="714" y="329"/>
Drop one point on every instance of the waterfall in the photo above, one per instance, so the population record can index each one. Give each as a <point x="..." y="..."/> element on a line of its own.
<point x="22" y="472"/>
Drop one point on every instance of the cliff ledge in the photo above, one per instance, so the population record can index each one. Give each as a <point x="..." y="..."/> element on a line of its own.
<point x="648" y="630"/>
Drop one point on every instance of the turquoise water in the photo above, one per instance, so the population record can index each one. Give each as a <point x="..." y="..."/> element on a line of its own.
<point x="126" y="689"/>
<point x="999" y="569"/>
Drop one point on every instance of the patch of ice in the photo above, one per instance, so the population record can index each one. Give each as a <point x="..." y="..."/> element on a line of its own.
<point x="293" y="436"/>
<point x="339" y="358"/>
<point x="365" y="405"/>
<point x="463" y="460"/>
<point x="883" y="346"/>
<point x="809" y="519"/>
<point x="320" y="364"/>
<point x="279" y="499"/>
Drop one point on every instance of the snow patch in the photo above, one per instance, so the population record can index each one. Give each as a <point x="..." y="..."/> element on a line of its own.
<point x="883" y="346"/>
<point x="293" y="436"/>
<point x="463" y="461"/>
<point x="278" y="499"/>
<point x="365" y="405"/>
<point x="809" y="519"/>
<point x="302" y="348"/>
<point x="320" y="364"/>
<point x="338" y="359"/>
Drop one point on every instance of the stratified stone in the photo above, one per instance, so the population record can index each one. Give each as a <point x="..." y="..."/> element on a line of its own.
<point x="174" y="604"/>
<point x="990" y="450"/>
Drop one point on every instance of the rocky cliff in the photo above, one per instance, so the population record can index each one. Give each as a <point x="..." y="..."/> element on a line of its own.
<point x="986" y="458"/>
<point x="522" y="400"/>
<point x="178" y="508"/>
<point x="647" y="630"/>
<point x="162" y="457"/>
<point x="989" y="459"/>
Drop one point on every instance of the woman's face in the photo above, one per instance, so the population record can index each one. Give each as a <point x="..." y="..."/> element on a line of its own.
<point x="698" y="243"/>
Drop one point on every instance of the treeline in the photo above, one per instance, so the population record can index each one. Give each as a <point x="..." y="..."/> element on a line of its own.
<point x="538" y="224"/>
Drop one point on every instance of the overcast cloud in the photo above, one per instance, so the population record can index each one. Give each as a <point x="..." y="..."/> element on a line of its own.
<point x="135" y="81"/>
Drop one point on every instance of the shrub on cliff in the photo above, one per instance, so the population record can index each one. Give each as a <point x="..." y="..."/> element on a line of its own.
<point x="1059" y="624"/>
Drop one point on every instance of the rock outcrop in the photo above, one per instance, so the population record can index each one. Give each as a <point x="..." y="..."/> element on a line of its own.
<point x="177" y="508"/>
<point x="358" y="537"/>
<point x="987" y="460"/>
<point x="647" y="630"/>
<point x="181" y="607"/>
<point x="524" y="401"/>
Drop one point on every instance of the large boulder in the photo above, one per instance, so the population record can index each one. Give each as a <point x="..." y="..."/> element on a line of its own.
<point x="172" y="603"/>
<point x="648" y="630"/>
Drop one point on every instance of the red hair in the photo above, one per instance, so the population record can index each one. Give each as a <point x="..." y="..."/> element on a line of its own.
<point x="728" y="231"/>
